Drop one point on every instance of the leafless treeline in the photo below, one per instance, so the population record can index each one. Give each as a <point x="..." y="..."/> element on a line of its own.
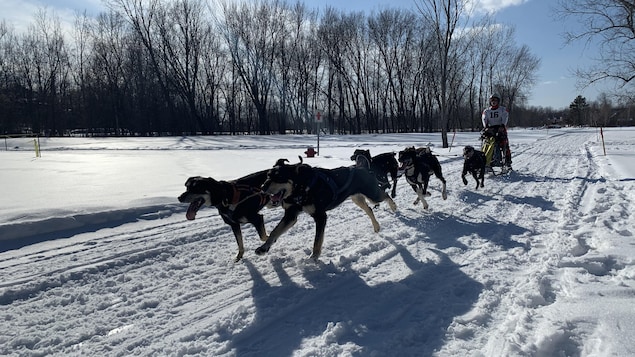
<point x="148" y="67"/>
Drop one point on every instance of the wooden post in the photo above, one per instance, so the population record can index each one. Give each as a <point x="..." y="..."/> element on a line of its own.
<point x="602" y="135"/>
<point x="318" y="119"/>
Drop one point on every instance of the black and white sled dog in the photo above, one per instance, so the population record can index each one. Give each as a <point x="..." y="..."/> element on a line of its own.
<point x="381" y="165"/>
<point x="238" y="201"/>
<point x="300" y="187"/>
<point x="474" y="163"/>
<point x="417" y="165"/>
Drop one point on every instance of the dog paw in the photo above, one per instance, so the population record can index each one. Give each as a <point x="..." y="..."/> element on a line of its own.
<point x="464" y="181"/>
<point x="262" y="250"/>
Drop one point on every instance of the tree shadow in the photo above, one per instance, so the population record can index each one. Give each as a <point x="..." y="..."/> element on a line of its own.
<point x="444" y="230"/>
<point x="403" y="317"/>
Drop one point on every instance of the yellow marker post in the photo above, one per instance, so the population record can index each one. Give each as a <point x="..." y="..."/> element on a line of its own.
<point x="36" y="145"/>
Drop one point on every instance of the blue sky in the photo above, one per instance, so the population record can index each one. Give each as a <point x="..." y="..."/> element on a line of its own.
<point x="534" y="20"/>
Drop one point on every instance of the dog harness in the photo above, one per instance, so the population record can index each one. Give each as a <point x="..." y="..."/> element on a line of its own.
<point x="239" y="196"/>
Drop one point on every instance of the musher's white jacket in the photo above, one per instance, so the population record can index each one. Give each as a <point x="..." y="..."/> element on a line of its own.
<point x="498" y="116"/>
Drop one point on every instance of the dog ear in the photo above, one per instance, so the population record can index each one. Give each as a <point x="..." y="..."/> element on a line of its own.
<point x="190" y="181"/>
<point x="303" y="172"/>
<point x="280" y="162"/>
<point x="199" y="180"/>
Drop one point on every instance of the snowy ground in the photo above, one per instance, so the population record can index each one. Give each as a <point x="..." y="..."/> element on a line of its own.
<point x="97" y="258"/>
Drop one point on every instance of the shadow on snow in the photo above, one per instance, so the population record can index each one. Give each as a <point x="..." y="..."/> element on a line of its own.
<point x="408" y="317"/>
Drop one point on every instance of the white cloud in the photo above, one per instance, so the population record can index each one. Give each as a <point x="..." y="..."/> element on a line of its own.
<point x="495" y="5"/>
<point x="20" y="14"/>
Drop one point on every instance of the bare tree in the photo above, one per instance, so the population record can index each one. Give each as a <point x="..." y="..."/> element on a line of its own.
<point x="184" y="34"/>
<point x="494" y="47"/>
<point x="215" y="65"/>
<point x="357" y="84"/>
<point x="517" y="73"/>
<point x="394" y="33"/>
<point x="79" y="61"/>
<point x="8" y="71"/>
<point x="444" y="18"/>
<point x="109" y="47"/>
<point x="304" y="63"/>
<point x="142" y="15"/>
<point x="612" y="24"/>
<point x="604" y="111"/>
<point x="253" y="32"/>
<point x="475" y="64"/>
<point x="334" y="33"/>
<point x="169" y="66"/>
<point x="43" y="70"/>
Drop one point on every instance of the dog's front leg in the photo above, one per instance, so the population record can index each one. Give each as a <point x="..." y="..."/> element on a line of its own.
<point x="444" y="192"/>
<point x="463" y="175"/>
<point x="320" y="225"/>
<point x="421" y="195"/>
<point x="426" y="181"/>
<point x="393" y="193"/>
<point x="288" y="220"/>
<point x="416" y="189"/>
<point x="239" y="240"/>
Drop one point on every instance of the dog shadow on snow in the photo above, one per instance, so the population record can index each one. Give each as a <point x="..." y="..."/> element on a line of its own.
<point x="409" y="316"/>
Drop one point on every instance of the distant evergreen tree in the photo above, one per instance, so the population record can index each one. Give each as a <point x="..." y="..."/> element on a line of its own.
<point x="577" y="109"/>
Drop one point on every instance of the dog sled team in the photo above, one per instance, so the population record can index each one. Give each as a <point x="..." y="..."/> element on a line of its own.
<point x="301" y="188"/>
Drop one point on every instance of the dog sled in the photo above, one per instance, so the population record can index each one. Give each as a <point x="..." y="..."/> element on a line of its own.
<point x="495" y="160"/>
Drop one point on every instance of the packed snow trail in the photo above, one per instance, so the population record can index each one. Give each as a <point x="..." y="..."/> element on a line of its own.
<point x="498" y="271"/>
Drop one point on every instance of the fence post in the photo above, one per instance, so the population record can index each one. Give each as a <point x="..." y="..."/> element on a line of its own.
<point x="602" y="135"/>
<point x="36" y="145"/>
<point x="452" y="143"/>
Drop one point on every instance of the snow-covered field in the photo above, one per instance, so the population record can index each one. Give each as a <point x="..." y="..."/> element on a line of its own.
<point x="97" y="258"/>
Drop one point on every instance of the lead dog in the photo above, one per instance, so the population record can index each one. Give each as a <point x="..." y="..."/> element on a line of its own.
<point x="237" y="201"/>
<point x="381" y="165"/>
<point x="474" y="163"/>
<point x="418" y="165"/>
<point x="300" y="187"/>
